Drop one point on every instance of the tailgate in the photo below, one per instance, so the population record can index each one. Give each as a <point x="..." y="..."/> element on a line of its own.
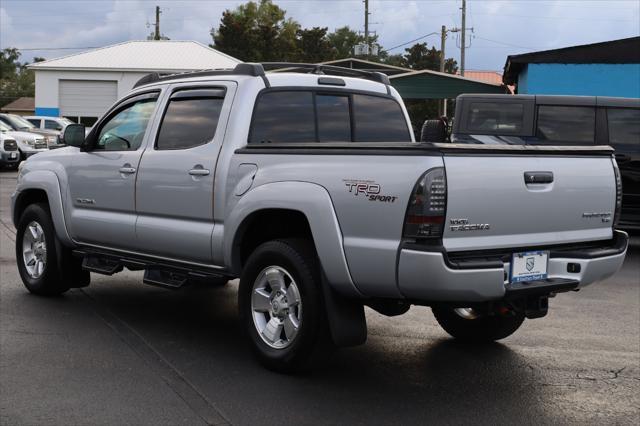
<point x="489" y="204"/>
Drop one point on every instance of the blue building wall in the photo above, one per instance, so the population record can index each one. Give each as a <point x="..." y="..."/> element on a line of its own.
<point x="621" y="80"/>
<point x="48" y="112"/>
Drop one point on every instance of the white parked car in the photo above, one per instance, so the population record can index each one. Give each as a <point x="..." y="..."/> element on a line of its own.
<point x="28" y="143"/>
<point x="9" y="154"/>
<point x="18" y="123"/>
<point x="52" y="123"/>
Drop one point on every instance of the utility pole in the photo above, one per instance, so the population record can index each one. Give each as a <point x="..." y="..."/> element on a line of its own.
<point x="157" y="33"/>
<point x="366" y="27"/>
<point x="443" y="38"/>
<point x="462" y="33"/>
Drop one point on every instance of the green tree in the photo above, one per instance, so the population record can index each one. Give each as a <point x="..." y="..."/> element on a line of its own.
<point x="257" y="32"/>
<point x="420" y="57"/>
<point x="314" y="45"/>
<point x="344" y="39"/>
<point x="15" y="79"/>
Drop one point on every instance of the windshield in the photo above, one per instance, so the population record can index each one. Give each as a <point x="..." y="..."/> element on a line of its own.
<point x="20" y="122"/>
<point x="66" y="121"/>
<point x="4" y="127"/>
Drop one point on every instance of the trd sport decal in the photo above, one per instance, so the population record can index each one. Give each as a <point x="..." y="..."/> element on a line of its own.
<point x="369" y="190"/>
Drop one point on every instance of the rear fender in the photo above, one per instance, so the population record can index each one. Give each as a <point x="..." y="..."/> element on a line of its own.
<point x="315" y="203"/>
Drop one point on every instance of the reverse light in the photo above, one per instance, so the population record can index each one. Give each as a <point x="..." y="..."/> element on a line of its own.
<point x="427" y="206"/>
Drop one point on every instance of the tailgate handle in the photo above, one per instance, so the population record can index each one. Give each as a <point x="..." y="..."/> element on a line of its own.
<point x="538" y="177"/>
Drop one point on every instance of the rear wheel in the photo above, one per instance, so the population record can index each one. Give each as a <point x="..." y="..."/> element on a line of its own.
<point x="471" y="325"/>
<point x="281" y="305"/>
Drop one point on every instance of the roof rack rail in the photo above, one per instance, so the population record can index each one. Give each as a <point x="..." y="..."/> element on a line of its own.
<point x="330" y="69"/>
<point x="254" y="70"/>
<point x="258" y="70"/>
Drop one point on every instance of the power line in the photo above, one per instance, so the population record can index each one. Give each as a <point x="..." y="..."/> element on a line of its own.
<point x="411" y="41"/>
<point x="506" y="44"/>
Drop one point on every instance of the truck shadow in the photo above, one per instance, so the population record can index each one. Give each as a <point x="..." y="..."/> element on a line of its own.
<point x="391" y="379"/>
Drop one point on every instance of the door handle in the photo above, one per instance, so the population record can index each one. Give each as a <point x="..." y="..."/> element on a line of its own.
<point x="127" y="170"/>
<point x="198" y="172"/>
<point x="538" y="177"/>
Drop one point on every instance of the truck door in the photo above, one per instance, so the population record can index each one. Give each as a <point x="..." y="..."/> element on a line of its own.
<point x="102" y="178"/>
<point x="174" y="193"/>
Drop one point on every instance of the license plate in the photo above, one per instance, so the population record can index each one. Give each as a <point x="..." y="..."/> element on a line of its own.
<point x="529" y="266"/>
<point x="14" y="155"/>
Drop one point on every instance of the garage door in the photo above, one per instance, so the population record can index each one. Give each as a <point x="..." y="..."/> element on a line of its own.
<point x="86" y="98"/>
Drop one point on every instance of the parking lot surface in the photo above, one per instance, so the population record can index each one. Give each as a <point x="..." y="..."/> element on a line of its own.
<point x="120" y="352"/>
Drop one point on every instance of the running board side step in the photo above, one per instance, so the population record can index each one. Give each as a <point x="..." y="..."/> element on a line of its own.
<point x="162" y="274"/>
<point x="164" y="278"/>
<point x="101" y="265"/>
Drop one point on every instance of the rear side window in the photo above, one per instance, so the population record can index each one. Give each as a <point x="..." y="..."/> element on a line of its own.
<point x="624" y="128"/>
<point x="190" y="121"/>
<point x="495" y="117"/>
<point x="379" y="119"/>
<point x="567" y="124"/>
<point x="286" y="116"/>
<point x="306" y="116"/>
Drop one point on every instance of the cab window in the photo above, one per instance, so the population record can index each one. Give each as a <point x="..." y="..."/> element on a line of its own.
<point x="567" y="124"/>
<point x="496" y="117"/>
<point x="53" y="125"/>
<point x="190" y="120"/>
<point x="624" y="128"/>
<point x="125" y="130"/>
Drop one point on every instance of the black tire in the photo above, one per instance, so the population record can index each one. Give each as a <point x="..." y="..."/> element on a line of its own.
<point x="61" y="271"/>
<point x="486" y="328"/>
<point x="312" y="341"/>
<point x="433" y="131"/>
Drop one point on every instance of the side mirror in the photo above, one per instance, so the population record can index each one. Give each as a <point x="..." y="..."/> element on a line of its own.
<point x="74" y="135"/>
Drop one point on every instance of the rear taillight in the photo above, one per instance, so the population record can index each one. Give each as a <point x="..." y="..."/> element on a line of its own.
<point x="427" y="207"/>
<point x="616" y="214"/>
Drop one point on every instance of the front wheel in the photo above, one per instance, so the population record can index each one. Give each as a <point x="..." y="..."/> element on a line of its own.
<point x="281" y="305"/>
<point x="46" y="267"/>
<point x="471" y="325"/>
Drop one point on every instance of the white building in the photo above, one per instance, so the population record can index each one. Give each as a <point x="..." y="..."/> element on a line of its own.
<point x="84" y="85"/>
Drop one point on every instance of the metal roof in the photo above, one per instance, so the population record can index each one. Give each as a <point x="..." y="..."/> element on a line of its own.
<point x="623" y="51"/>
<point x="143" y="56"/>
<point x="427" y="84"/>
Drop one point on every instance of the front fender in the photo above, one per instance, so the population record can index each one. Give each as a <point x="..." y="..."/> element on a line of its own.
<point x="47" y="181"/>
<point x="315" y="203"/>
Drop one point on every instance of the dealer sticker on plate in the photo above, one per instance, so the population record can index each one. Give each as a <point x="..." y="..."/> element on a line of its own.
<point x="529" y="266"/>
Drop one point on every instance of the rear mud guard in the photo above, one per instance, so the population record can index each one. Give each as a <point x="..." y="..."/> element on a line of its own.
<point x="347" y="321"/>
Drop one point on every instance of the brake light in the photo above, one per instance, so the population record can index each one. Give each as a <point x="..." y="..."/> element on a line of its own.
<point x="616" y="214"/>
<point x="427" y="206"/>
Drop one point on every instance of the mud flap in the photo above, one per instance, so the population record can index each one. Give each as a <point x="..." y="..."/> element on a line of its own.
<point x="347" y="322"/>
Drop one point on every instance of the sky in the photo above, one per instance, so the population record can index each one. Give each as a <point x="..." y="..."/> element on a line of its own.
<point x="52" y="28"/>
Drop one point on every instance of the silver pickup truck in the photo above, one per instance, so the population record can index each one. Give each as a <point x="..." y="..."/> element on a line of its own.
<point x="308" y="186"/>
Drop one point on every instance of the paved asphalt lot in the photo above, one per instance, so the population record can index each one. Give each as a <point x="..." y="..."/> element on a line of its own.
<point x="120" y="352"/>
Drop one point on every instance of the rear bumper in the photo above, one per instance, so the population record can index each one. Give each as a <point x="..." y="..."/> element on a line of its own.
<point x="431" y="276"/>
